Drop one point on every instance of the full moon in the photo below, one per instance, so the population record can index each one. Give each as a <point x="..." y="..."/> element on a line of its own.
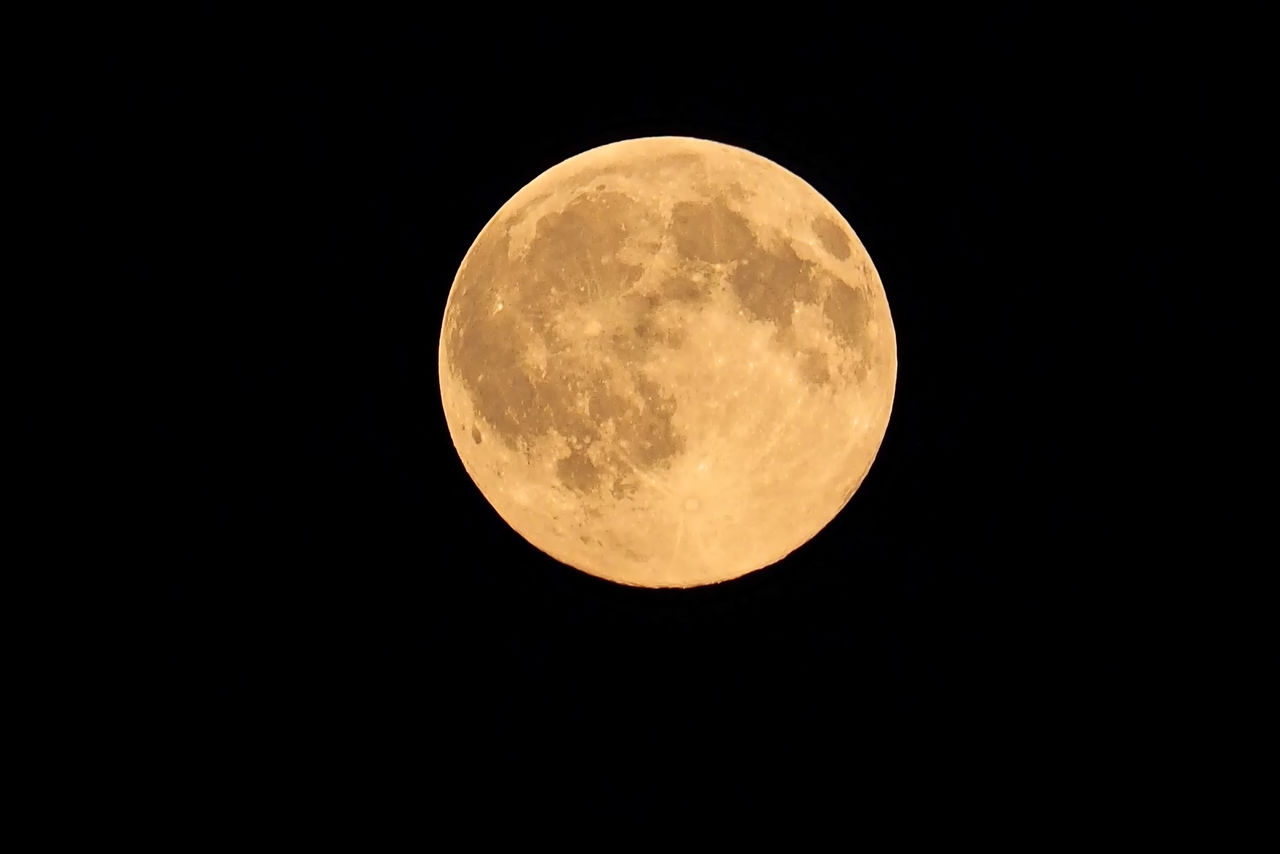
<point x="667" y="362"/>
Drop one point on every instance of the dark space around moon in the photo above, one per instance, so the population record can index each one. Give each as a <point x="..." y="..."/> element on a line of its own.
<point x="280" y="209"/>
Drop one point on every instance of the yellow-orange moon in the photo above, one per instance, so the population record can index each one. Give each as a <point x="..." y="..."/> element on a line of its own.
<point x="667" y="362"/>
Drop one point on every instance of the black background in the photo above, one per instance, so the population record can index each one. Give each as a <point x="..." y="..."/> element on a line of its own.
<point x="277" y="208"/>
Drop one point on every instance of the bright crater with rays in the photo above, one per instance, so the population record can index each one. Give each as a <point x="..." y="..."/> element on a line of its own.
<point x="667" y="362"/>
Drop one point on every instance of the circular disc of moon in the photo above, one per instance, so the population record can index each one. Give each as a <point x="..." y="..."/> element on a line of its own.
<point x="667" y="362"/>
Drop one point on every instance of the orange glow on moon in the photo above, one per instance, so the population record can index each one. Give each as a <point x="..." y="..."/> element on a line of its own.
<point x="667" y="362"/>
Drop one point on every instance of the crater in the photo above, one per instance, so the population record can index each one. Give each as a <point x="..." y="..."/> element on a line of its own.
<point x="832" y="237"/>
<point x="623" y="487"/>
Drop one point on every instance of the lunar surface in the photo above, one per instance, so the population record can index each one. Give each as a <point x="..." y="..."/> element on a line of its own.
<point x="667" y="362"/>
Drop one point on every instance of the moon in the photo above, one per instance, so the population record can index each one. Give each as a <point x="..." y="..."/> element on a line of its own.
<point x="667" y="362"/>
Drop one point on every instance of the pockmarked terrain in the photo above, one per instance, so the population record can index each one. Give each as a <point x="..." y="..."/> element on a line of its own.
<point x="667" y="362"/>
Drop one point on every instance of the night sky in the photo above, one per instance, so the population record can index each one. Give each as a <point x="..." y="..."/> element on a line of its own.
<point x="279" y="207"/>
